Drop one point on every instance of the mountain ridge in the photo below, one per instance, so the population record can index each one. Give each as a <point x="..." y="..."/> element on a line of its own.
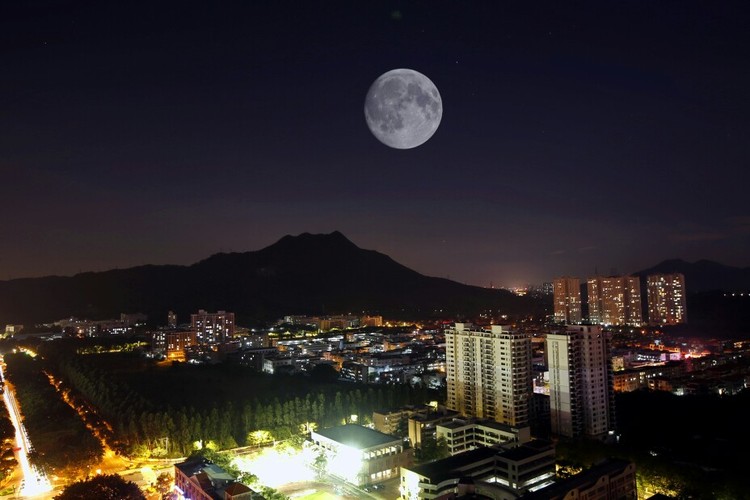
<point x="303" y="274"/>
<point x="703" y="275"/>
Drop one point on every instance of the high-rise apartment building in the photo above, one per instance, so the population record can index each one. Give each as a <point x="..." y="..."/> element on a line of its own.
<point x="489" y="373"/>
<point x="171" y="319"/>
<point x="666" y="299"/>
<point x="580" y="381"/>
<point x="212" y="328"/>
<point x="567" y="298"/>
<point x="615" y="300"/>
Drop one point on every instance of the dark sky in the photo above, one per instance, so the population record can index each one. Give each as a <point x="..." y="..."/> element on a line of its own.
<point x="608" y="134"/>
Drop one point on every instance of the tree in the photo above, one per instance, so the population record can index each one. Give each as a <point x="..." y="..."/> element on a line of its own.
<point x="324" y="373"/>
<point x="164" y="485"/>
<point x="103" y="487"/>
<point x="7" y="431"/>
<point x="432" y="449"/>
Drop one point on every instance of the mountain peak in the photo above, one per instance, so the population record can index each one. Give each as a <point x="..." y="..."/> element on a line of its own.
<point x="334" y="239"/>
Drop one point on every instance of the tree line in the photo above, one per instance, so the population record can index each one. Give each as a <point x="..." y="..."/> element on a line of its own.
<point x="60" y="439"/>
<point x="278" y="410"/>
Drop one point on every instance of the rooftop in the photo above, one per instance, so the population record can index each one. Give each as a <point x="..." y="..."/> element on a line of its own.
<point x="463" y="422"/>
<point x="610" y="467"/>
<point x="452" y="466"/>
<point x="446" y="466"/>
<point x="526" y="450"/>
<point x="358" y="437"/>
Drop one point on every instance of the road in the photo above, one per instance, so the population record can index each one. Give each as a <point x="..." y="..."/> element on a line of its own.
<point x="34" y="481"/>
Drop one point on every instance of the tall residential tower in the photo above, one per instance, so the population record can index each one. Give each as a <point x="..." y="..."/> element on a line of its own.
<point x="615" y="300"/>
<point x="666" y="299"/>
<point x="567" y="297"/>
<point x="580" y="381"/>
<point x="489" y="373"/>
<point x="212" y="328"/>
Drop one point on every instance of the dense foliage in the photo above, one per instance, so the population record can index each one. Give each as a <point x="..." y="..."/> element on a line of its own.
<point x="683" y="446"/>
<point x="60" y="439"/>
<point x="7" y="442"/>
<point x="167" y="410"/>
<point x="102" y="487"/>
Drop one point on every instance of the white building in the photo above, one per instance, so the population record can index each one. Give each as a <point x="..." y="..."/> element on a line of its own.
<point x="360" y="455"/>
<point x="503" y="473"/>
<point x="462" y="435"/>
<point x="580" y="381"/>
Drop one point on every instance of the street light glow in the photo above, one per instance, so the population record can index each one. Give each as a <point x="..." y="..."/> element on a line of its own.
<point x="34" y="481"/>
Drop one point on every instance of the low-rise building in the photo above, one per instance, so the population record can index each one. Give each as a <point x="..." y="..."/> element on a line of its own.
<point x="273" y="363"/>
<point x="610" y="480"/>
<point x="424" y="424"/>
<point x="360" y="455"/>
<point x="389" y="421"/>
<point x="200" y="479"/>
<point x="497" y="472"/>
<point x="173" y="344"/>
<point x="467" y="434"/>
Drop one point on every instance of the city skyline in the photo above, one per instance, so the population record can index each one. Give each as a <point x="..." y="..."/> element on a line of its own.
<point x="573" y="138"/>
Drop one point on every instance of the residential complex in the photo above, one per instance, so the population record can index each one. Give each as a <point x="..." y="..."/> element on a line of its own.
<point x="615" y="300"/>
<point x="580" y="382"/>
<point x="488" y="373"/>
<point x="173" y="344"/>
<point x="666" y="299"/>
<point x="567" y="300"/>
<point x="212" y="328"/>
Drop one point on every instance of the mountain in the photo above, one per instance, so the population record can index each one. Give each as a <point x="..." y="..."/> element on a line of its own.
<point x="305" y="274"/>
<point x="704" y="275"/>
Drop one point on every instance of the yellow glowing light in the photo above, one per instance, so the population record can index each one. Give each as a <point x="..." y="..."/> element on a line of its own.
<point x="260" y="437"/>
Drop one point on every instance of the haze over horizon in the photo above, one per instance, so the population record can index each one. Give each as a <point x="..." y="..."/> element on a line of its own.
<point x="583" y="275"/>
<point x="573" y="138"/>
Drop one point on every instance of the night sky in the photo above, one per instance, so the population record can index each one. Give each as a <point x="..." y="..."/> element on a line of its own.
<point x="610" y="135"/>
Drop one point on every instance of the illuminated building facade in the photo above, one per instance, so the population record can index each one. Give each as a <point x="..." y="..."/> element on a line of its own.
<point x="212" y="328"/>
<point x="488" y="373"/>
<point x="178" y="342"/>
<point x="505" y="472"/>
<point x="613" y="479"/>
<point x="666" y="299"/>
<point x="199" y="479"/>
<point x="171" y="319"/>
<point x="371" y="321"/>
<point x="468" y="434"/>
<point x="581" y="382"/>
<point x="360" y="455"/>
<point x="567" y="300"/>
<point x="615" y="300"/>
<point x="173" y="344"/>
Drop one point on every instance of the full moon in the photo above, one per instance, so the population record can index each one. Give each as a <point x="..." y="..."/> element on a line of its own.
<point x="403" y="108"/>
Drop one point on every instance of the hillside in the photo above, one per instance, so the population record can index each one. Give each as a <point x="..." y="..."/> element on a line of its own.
<point x="305" y="274"/>
<point x="704" y="275"/>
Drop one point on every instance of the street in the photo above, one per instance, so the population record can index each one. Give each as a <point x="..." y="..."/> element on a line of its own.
<point x="33" y="481"/>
